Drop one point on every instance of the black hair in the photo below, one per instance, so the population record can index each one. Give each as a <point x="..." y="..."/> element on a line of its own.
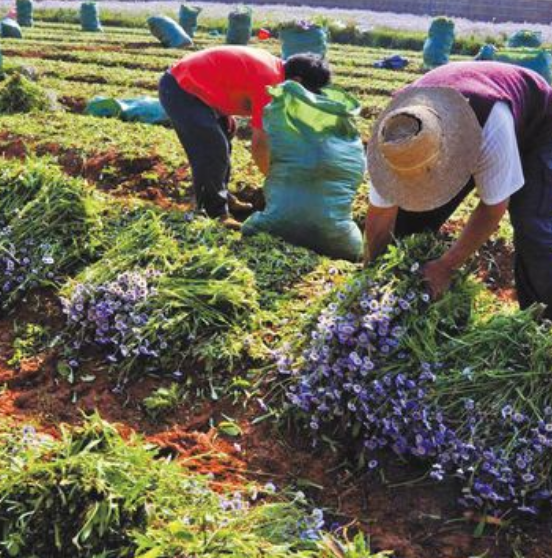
<point x="311" y="70"/>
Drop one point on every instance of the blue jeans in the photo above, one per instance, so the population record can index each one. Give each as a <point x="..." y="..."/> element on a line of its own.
<point x="204" y="136"/>
<point x="531" y="216"/>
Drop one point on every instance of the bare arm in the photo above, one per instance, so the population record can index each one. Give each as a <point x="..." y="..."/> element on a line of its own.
<point x="481" y="225"/>
<point x="380" y="223"/>
<point x="260" y="150"/>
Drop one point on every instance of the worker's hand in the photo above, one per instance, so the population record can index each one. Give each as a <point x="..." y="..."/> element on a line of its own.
<point x="438" y="277"/>
<point x="231" y="126"/>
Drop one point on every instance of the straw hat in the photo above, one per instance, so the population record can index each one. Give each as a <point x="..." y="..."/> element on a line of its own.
<point x="424" y="148"/>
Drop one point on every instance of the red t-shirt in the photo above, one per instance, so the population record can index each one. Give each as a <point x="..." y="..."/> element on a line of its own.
<point x="231" y="79"/>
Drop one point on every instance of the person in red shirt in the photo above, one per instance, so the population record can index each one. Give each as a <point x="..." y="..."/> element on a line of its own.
<point x="204" y="91"/>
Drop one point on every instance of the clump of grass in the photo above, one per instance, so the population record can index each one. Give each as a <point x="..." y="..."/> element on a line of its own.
<point x="163" y="400"/>
<point x="20" y="94"/>
<point x="30" y="339"/>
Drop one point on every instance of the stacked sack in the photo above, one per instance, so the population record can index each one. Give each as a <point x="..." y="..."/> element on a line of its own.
<point x="303" y="36"/>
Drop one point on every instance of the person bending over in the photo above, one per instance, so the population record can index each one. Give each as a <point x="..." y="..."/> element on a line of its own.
<point x="204" y="91"/>
<point x="468" y="125"/>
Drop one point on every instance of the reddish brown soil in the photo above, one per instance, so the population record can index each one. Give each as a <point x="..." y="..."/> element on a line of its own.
<point x="416" y="520"/>
<point x="146" y="177"/>
<point x="494" y="264"/>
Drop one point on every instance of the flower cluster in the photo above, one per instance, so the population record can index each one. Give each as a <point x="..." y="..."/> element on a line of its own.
<point x="23" y="267"/>
<point x="310" y="527"/>
<point x="112" y="315"/>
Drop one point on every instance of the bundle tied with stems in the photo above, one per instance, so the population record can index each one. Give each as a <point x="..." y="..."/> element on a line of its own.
<point x="465" y="391"/>
<point x="50" y="225"/>
<point x="151" y="306"/>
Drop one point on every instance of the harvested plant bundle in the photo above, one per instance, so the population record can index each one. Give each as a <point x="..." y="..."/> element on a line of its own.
<point x="19" y="94"/>
<point x="93" y="494"/>
<point x="51" y="226"/>
<point x="469" y="395"/>
<point x="157" y="318"/>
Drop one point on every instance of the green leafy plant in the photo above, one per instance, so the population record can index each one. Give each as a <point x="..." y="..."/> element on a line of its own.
<point x="30" y="340"/>
<point x="163" y="400"/>
<point x="20" y="94"/>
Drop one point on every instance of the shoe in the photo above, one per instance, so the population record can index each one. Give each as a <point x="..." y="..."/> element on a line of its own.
<point x="230" y="223"/>
<point x="235" y="205"/>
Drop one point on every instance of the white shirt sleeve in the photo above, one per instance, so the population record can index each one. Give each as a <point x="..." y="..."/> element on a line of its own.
<point x="499" y="172"/>
<point x="376" y="199"/>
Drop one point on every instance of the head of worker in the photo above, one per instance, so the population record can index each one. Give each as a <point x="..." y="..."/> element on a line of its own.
<point x="425" y="148"/>
<point x="313" y="73"/>
<point x="310" y="70"/>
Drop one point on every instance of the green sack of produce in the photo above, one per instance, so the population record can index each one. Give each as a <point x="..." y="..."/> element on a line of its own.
<point x="168" y="32"/>
<point x="240" y="26"/>
<point x="25" y="12"/>
<point x="147" y="110"/>
<point x="525" y="39"/>
<point x="438" y="45"/>
<point x="301" y="37"/>
<point x="317" y="163"/>
<point x="188" y="18"/>
<point x="10" y="29"/>
<point x="538" y="60"/>
<point x="90" y="17"/>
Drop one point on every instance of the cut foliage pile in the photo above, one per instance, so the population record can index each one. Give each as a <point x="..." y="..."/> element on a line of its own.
<point x="443" y="383"/>
<point x="92" y="494"/>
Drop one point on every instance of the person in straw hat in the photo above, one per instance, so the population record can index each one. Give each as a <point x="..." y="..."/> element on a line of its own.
<point x="482" y="126"/>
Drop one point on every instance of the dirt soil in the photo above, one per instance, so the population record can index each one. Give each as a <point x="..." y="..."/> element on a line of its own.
<point x="415" y="519"/>
<point x="146" y="177"/>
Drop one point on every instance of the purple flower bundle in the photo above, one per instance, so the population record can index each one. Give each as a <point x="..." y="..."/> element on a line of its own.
<point x="113" y="315"/>
<point x="383" y="368"/>
<point x="24" y="266"/>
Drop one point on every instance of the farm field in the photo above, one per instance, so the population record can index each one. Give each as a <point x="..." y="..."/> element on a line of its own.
<point x="119" y="303"/>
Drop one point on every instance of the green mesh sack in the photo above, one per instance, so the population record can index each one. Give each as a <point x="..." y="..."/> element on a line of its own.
<point x="25" y="13"/>
<point x="187" y="18"/>
<point x="317" y="163"/>
<point x="525" y="39"/>
<point x="439" y="43"/>
<point x="240" y="26"/>
<point x="538" y="60"/>
<point x="90" y="17"/>
<point x="301" y="37"/>
<point x="169" y="33"/>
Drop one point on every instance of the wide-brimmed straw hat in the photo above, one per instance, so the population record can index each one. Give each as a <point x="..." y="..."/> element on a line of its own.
<point x="424" y="148"/>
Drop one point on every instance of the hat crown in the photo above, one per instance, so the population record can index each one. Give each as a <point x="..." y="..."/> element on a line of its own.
<point x="411" y="139"/>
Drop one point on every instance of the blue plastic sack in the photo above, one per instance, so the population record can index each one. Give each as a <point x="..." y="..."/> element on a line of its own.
<point x="487" y="52"/>
<point x="147" y="110"/>
<point x="240" y="26"/>
<point x="188" y="18"/>
<point x="317" y="163"/>
<point x="394" y="62"/>
<point x="90" y="17"/>
<point x="10" y="29"/>
<point x="439" y="43"/>
<point x="300" y="37"/>
<point x="168" y="32"/>
<point x="25" y="12"/>
<point x="525" y="39"/>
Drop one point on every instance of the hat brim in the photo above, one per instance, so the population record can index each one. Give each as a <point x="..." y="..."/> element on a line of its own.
<point x="437" y="184"/>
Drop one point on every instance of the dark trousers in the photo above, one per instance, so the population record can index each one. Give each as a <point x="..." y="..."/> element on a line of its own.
<point x="205" y="137"/>
<point x="531" y="215"/>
